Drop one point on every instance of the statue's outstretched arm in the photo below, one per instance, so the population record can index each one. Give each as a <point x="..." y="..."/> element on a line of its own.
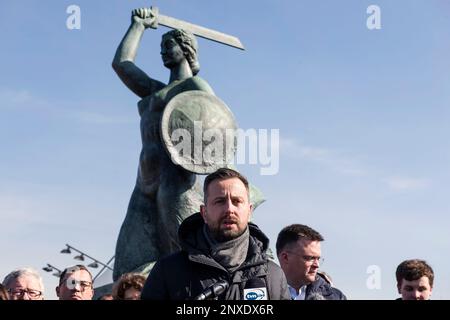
<point x="131" y="75"/>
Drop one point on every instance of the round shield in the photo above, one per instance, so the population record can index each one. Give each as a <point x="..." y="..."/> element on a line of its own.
<point x="199" y="132"/>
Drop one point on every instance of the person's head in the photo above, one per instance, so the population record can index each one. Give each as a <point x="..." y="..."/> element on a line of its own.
<point x="107" y="296"/>
<point x="75" y="283"/>
<point x="3" y="293"/>
<point x="177" y="44"/>
<point x="227" y="207"/>
<point x="24" y="284"/>
<point x="129" y="286"/>
<point x="298" y="250"/>
<point x="414" y="279"/>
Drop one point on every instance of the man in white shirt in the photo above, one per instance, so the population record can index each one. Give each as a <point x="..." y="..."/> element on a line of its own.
<point x="299" y="253"/>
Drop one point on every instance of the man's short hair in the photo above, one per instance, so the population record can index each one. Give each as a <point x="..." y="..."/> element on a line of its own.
<point x="223" y="174"/>
<point x="414" y="269"/>
<point x="295" y="232"/>
<point x="13" y="275"/>
<point x="71" y="270"/>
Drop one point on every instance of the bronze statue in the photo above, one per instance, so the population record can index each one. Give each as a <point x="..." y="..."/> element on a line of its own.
<point x="165" y="192"/>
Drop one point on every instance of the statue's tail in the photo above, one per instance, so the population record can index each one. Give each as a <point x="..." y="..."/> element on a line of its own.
<point x="256" y="196"/>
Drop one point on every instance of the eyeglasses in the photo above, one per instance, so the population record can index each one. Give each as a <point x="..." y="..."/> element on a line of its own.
<point x="83" y="285"/>
<point x="309" y="259"/>
<point x="33" y="294"/>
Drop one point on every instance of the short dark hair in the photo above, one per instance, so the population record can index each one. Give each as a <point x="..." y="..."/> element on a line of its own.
<point x="414" y="269"/>
<point x="295" y="232"/>
<point x="72" y="269"/>
<point x="223" y="174"/>
<point x="127" y="281"/>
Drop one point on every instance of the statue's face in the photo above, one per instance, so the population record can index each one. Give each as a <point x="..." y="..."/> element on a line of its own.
<point x="171" y="53"/>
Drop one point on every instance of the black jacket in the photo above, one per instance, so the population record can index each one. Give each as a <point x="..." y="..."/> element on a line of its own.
<point x="321" y="289"/>
<point x="187" y="273"/>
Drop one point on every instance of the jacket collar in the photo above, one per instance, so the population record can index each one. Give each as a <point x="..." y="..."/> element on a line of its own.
<point x="193" y="242"/>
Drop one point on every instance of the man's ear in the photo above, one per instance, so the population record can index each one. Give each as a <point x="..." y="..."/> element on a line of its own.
<point x="203" y="212"/>
<point x="57" y="291"/>
<point x="399" y="286"/>
<point x="251" y="212"/>
<point x="283" y="256"/>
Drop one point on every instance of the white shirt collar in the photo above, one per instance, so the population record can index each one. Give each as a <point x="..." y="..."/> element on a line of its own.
<point x="297" y="295"/>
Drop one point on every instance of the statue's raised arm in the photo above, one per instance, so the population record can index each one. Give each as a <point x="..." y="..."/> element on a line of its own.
<point x="131" y="75"/>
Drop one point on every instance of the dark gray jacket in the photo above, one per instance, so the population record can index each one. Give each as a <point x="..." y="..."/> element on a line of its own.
<point x="187" y="273"/>
<point x="321" y="289"/>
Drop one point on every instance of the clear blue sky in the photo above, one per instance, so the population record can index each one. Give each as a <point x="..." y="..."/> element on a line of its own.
<point x="363" y="118"/>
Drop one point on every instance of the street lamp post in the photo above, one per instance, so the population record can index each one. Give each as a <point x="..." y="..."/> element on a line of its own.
<point x="81" y="257"/>
<point x="50" y="268"/>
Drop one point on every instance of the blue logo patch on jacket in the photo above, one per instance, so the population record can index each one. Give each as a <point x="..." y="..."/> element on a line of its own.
<point x="255" y="294"/>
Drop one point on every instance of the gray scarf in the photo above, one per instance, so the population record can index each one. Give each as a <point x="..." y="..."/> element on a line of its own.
<point x="229" y="254"/>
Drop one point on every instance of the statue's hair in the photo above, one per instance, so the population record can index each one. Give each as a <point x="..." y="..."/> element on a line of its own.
<point x="188" y="43"/>
<point x="20" y="273"/>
